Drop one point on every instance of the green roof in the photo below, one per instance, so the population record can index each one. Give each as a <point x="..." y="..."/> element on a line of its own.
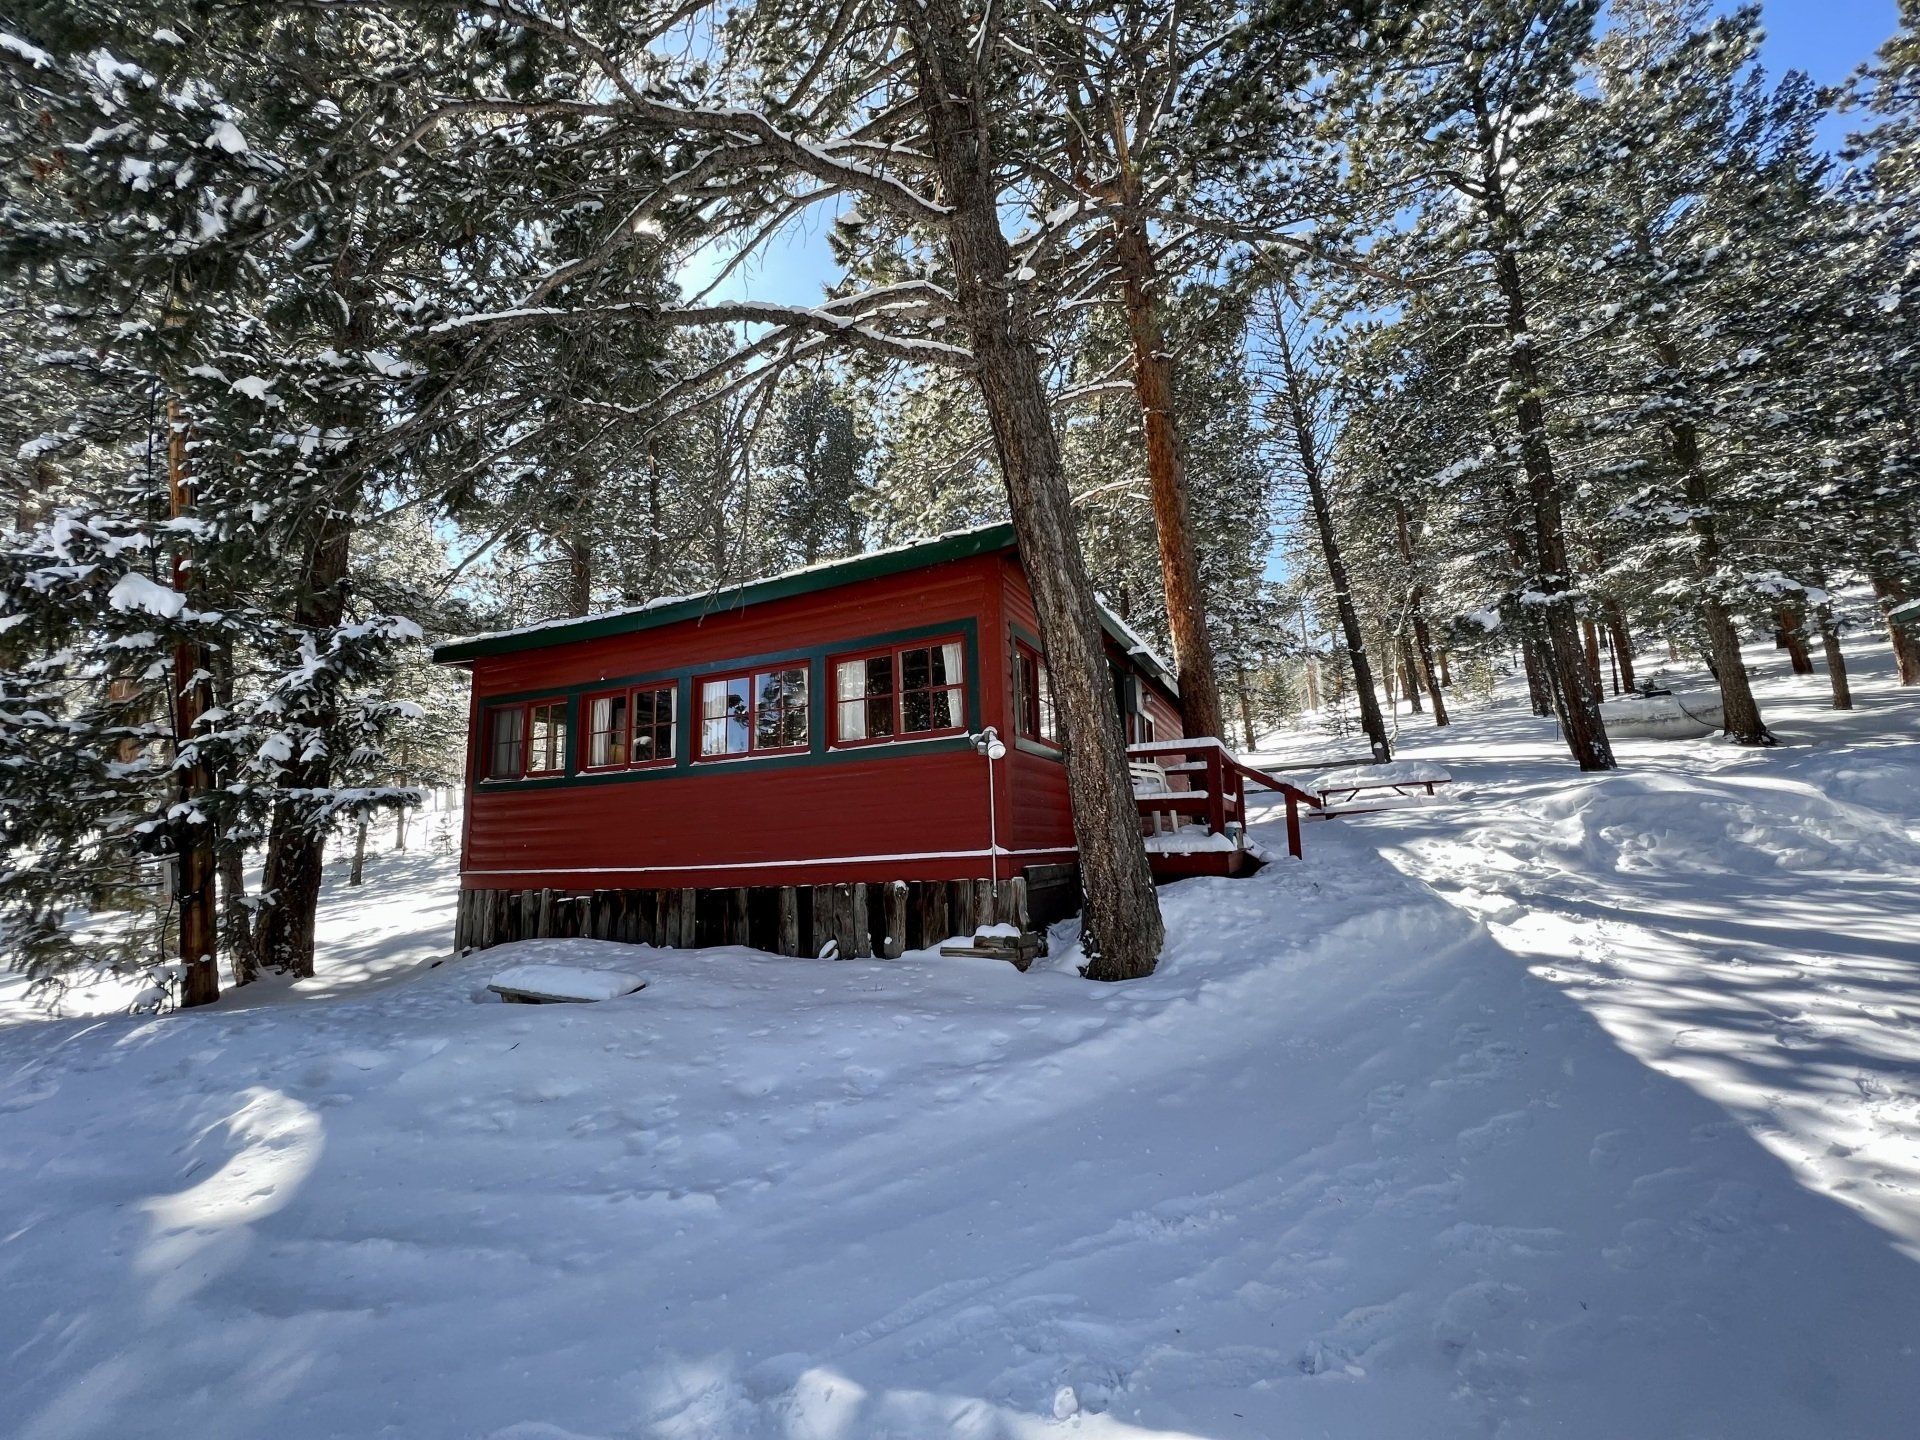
<point x="916" y="555"/>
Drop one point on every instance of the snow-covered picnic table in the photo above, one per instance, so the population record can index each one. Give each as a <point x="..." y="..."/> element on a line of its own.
<point x="558" y="984"/>
<point x="1402" y="780"/>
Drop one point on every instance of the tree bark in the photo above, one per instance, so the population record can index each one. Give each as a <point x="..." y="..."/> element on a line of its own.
<point x="358" y="870"/>
<point x="236" y="922"/>
<point x="1792" y="620"/>
<point x="1246" y="706"/>
<point x="1411" y="673"/>
<point x="1539" y="687"/>
<point x="1166" y="471"/>
<point x="1836" y="659"/>
<point x="1122" y="930"/>
<point x="290" y="887"/>
<point x="195" y="895"/>
<point x="1891" y="593"/>
<point x="1622" y="644"/>
<point x="1308" y="450"/>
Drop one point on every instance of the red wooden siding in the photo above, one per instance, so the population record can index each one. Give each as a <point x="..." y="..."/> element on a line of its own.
<point x="913" y="810"/>
<point x="885" y="812"/>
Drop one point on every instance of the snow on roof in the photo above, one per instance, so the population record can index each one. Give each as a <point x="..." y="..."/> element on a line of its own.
<point x="720" y="596"/>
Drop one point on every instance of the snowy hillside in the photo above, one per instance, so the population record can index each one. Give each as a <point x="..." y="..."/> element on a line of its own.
<point x="1571" y="1106"/>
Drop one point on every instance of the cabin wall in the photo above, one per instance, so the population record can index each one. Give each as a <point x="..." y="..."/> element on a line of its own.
<point x="913" y="810"/>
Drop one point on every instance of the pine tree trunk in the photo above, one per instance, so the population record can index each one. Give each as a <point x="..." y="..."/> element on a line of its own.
<point x="1552" y="577"/>
<point x="1122" y="930"/>
<point x="1739" y="710"/>
<point x="1246" y="707"/>
<point x="191" y="696"/>
<point x="1423" y="640"/>
<point x="290" y="887"/>
<point x="1166" y="475"/>
<point x="1792" y="621"/>
<point x="1836" y="659"/>
<point x="1308" y="449"/>
<point x="1904" y="639"/>
<point x="579" y="592"/>
<point x="1539" y="688"/>
<point x="1622" y="644"/>
<point x="1412" y="676"/>
<point x="236" y="922"/>
<point x="358" y="870"/>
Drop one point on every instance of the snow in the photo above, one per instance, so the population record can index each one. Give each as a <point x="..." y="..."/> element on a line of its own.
<point x="566" y="982"/>
<point x="134" y="591"/>
<point x="1583" y="1106"/>
<point x="32" y="54"/>
<point x="226" y="136"/>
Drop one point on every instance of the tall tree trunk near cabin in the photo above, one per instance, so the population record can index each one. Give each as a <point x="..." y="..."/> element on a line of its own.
<point x="1308" y="449"/>
<point x="578" y="597"/>
<point x="1792" y="621"/>
<point x="358" y="871"/>
<point x="236" y="921"/>
<point x="1579" y="691"/>
<point x="290" y="886"/>
<point x="1622" y="643"/>
<point x="1166" y="471"/>
<point x="1422" y="638"/>
<point x="1245" y="692"/>
<point x="1122" y="929"/>
<point x="1905" y="639"/>
<point x="1835" y="657"/>
<point x="1411" y="673"/>
<point x="191" y="697"/>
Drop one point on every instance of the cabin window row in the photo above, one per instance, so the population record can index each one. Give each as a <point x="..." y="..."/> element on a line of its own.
<point x="914" y="691"/>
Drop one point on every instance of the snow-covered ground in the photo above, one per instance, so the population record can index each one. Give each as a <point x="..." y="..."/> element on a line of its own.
<point x="1571" y="1106"/>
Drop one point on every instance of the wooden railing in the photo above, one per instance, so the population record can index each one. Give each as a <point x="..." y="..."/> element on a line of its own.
<point x="1217" y="786"/>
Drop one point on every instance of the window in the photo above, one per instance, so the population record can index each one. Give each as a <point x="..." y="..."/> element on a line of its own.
<point x="907" y="691"/>
<point x="653" y="725"/>
<point x="1143" y="729"/>
<point x="607" y="731"/>
<point x="633" y="727"/>
<point x="755" y="713"/>
<point x="546" y="737"/>
<point x="1033" y="716"/>
<point x="506" y="737"/>
<point x="526" y="739"/>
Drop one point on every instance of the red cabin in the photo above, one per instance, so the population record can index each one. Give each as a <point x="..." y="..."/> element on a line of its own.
<point x="785" y="760"/>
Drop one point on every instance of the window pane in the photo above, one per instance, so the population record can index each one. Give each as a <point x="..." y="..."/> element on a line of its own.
<point x="503" y="763"/>
<point x="851" y="720"/>
<point x="915" y="713"/>
<point x="607" y="731"/>
<point x="542" y="739"/>
<point x="780" y="709"/>
<point x="945" y="705"/>
<point x="915" y="669"/>
<point x="723" y="711"/>
<point x="643" y="751"/>
<point x="1043" y="689"/>
<point x="663" y="703"/>
<point x="946" y="664"/>
<point x="880" y="717"/>
<point x="880" y="675"/>
<point x="849" y="684"/>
